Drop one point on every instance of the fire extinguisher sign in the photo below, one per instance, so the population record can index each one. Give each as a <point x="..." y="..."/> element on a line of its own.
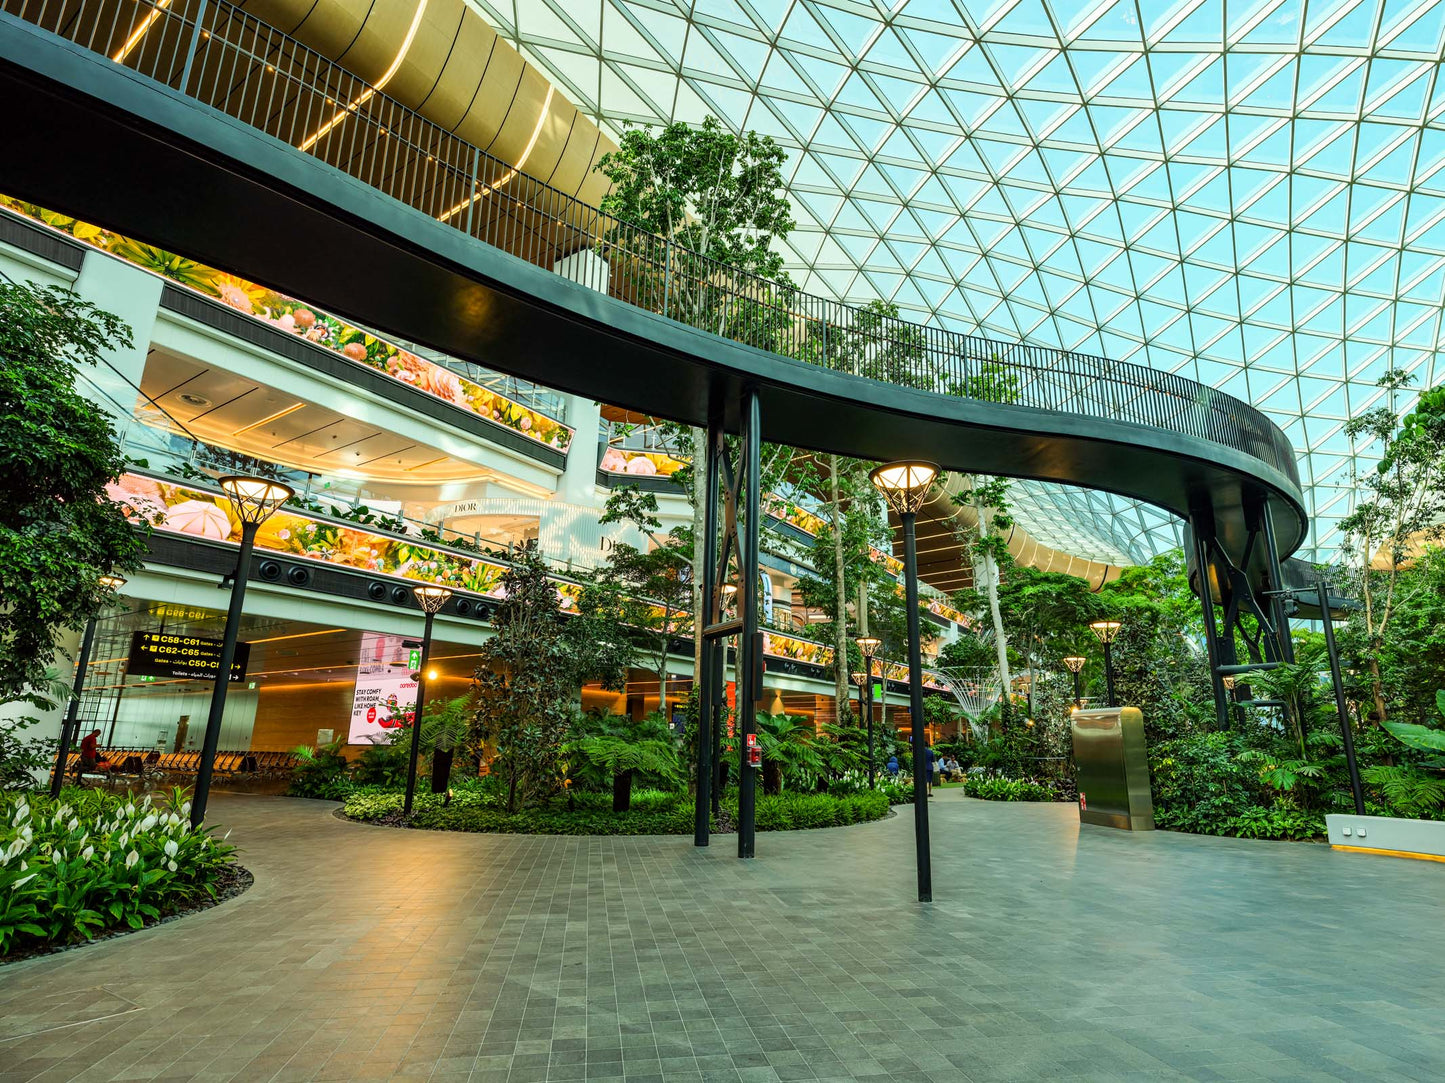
<point x="1083" y="802"/>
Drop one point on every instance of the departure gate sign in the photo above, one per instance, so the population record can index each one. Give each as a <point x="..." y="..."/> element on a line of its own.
<point x="162" y="654"/>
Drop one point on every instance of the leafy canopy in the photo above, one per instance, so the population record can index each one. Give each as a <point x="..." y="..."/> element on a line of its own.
<point x="59" y="532"/>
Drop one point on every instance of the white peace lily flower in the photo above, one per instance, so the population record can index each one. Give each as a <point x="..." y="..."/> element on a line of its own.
<point x="87" y="853"/>
<point x="23" y="880"/>
<point x="171" y="865"/>
<point x="186" y="808"/>
<point x="148" y="823"/>
<point x="74" y="823"/>
<point x="171" y="847"/>
<point x="22" y="812"/>
<point x="131" y="858"/>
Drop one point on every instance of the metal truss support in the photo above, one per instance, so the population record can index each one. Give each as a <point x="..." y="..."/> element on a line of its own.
<point x="741" y="519"/>
<point x="1201" y="535"/>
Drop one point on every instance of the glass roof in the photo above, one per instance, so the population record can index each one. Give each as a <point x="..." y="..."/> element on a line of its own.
<point x="1251" y="194"/>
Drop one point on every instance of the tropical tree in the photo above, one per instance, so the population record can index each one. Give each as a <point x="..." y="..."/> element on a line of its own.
<point x="59" y="531"/>
<point x="523" y="699"/>
<point x="623" y="748"/>
<point x="710" y="204"/>
<point x="1401" y="506"/>
<point x="650" y="588"/>
<point x="789" y="747"/>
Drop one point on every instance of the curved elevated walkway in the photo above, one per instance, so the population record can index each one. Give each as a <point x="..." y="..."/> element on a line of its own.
<point x="156" y="164"/>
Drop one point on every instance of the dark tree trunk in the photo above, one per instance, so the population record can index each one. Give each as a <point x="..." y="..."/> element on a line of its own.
<point x="622" y="791"/>
<point x="772" y="777"/>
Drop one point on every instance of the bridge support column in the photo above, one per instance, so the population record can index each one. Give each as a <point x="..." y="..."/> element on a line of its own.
<point x="1201" y="535"/>
<point x="1278" y="608"/>
<point x="738" y="549"/>
<point x="708" y="679"/>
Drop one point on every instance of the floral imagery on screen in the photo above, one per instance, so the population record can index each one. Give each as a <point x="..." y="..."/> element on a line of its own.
<point x="202" y="514"/>
<point x="308" y="322"/>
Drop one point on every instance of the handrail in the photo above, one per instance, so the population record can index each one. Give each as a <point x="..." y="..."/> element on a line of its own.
<point x="226" y="59"/>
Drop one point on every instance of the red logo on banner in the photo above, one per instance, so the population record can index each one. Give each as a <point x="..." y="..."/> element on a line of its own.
<point x="371" y="714"/>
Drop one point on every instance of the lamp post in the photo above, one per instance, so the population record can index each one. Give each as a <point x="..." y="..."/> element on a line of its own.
<point x="1106" y="630"/>
<point x="905" y="485"/>
<point x="82" y="661"/>
<point x="253" y="500"/>
<point x="1075" y="666"/>
<point x="869" y="646"/>
<point x="431" y="599"/>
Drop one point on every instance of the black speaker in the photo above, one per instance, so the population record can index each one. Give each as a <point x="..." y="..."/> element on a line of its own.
<point x="298" y="576"/>
<point x="376" y="591"/>
<point x="464" y="606"/>
<point x="400" y="595"/>
<point x="268" y="570"/>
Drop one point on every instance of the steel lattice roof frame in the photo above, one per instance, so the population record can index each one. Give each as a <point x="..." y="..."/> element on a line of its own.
<point x="1089" y="135"/>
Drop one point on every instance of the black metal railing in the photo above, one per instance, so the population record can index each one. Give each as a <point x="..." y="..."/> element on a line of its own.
<point x="228" y="60"/>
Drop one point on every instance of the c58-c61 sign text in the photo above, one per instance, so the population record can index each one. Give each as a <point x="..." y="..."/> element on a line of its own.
<point x="161" y="654"/>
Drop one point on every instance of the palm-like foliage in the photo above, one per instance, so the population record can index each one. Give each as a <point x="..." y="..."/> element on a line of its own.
<point x="623" y="748"/>
<point x="790" y="749"/>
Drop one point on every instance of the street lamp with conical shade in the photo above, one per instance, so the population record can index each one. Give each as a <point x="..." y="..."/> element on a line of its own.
<point x="1106" y="631"/>
<point x="254" y="500"/>
<point x="906" y="486"/>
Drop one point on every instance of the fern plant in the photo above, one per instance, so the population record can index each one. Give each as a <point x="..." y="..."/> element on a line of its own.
<point x="624" y="759"/>
<point x="1415" y="789"/>
<point x="790" y="749"/>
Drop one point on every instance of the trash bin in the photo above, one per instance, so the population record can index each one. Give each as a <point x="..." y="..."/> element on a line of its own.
<point x="1113" y="768"/>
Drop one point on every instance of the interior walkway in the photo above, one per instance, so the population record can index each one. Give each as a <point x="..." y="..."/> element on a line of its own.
<point x="1052" y="953"/>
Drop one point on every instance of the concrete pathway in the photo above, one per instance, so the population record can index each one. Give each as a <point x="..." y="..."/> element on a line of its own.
<point x="1053" y="952"/>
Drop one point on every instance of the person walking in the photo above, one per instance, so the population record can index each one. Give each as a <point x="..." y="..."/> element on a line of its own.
<point x="932" y="767"/>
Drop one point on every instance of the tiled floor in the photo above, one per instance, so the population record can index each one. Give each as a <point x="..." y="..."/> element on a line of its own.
<point x="1051" y="953"/>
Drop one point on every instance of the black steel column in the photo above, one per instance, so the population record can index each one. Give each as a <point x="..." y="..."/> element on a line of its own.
<point x="1201" y="530"/>
<point x="67" y="727"/>
<point x="868" y="717"/>
<point x="707" y="690"/>
<point x="1109" y="673"/>
<point x="416" y="720"/>
<point x="1276" y="583"/>
<point x="718" y="668"/>
<point x="1340" y="705"/>
<point x="750" y="654"/>
<point x="223" y="675"/>
<point x="915" y="710"/>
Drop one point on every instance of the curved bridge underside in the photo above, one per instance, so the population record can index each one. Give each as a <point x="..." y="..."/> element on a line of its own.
<point x="95" y="140"/>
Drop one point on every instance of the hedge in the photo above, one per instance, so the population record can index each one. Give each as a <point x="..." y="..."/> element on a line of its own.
<point x="467" y="812"/>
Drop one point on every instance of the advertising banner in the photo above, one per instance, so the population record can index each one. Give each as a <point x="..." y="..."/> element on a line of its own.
<point x="385" y="697"/>
<point x="161" y="654"/>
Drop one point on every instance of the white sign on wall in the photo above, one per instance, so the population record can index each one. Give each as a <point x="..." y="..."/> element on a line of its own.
<point x="385" y="697"/>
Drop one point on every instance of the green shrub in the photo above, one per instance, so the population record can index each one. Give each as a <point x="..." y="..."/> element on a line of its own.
<point x="321" y="772"/>
<point x="91" y="862"/>
<point x="652" y="812"/>
<point x="1008" y="789"/>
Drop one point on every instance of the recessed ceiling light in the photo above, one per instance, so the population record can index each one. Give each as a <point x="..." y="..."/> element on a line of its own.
<point x="194" y="400"/>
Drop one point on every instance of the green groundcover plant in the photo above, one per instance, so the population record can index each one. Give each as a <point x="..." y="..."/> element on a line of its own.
<point x="94" y="862"/>
<point x="1009" y="789"/>
<point x="652" y="813"/>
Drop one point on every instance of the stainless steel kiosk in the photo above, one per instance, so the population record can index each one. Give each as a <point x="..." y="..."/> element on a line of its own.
<point x="1113" y="768"/>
